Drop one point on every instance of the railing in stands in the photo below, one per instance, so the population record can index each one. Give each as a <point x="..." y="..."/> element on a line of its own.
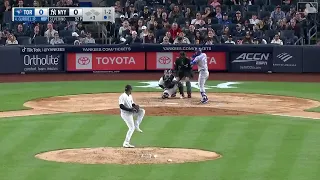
<point x="299" y="41"/>
<point x="314" y="30"/>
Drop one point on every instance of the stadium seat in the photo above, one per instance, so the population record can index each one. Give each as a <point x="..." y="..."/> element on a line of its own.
<point x="253" y="8"/>
<point x="225" y="8"/>
<point x="263" y="14"/>
<point x="65" y="33"/>
<point x="40" y="40"/>
<point x="261" y="2"/>
<point x="275" y="2"/>
<point x="70" y="40"/>
<point x="235" y="8"/>
<point x="285" y="8"/>
<point x="287" y="34"/>
<point x="269" y="8"/>
<point x="24" y="40"/>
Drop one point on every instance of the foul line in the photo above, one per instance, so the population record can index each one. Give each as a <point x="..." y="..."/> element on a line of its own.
<point x="295" y="116"/>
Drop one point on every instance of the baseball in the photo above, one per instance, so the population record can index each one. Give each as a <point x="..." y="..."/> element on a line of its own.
<point x="169" y="160"/>
<point x="155" y="156"/>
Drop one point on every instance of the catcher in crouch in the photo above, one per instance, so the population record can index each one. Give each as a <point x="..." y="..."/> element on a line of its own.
<point x="170" y="85"/>
<point x="183" y="69"/>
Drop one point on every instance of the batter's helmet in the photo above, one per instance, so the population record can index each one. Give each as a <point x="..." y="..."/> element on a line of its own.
<point x="198" y="51"/>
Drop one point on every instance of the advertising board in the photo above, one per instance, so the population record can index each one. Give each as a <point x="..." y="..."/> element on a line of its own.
<point x="106" y="61"/>
<point x="287" y="59"/>
<point x="250" y="61"/>
<point x="165" y="60"/>
<point x="311" y="62"/>
<point x="10" y="60"/>
<point x="42" y="63"/>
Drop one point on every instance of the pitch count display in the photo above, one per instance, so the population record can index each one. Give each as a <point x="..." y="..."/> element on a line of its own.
<point x="46" y="14"/>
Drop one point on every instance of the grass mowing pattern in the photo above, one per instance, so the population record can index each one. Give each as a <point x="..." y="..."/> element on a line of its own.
<point x="253" y="147"/>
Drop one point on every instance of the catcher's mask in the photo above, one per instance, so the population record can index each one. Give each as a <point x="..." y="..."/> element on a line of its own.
<point x="167" y="73"/>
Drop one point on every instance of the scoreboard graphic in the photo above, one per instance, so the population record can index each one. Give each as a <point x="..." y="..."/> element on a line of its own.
<point x="78" y="14"/>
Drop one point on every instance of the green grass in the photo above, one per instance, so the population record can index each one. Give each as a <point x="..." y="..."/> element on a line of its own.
<point x="256" y="147"/>
<point x="253" y="147"/>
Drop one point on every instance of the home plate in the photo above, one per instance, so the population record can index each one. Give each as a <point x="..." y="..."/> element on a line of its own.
<point x="172" y="103"/>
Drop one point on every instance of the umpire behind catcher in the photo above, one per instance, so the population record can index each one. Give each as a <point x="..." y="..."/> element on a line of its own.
<point x="183" y="69"/>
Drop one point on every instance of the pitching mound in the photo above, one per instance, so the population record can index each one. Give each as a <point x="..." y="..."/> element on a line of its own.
<point x="176" y="111"/>
<point x="126" y="156"/>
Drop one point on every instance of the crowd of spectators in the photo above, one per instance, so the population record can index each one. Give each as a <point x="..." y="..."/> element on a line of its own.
<point x="42" y="33"/>
<point x="211" y="22"/>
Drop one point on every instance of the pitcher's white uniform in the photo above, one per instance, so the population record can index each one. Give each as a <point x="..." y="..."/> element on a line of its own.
<point x="201" y="61"/>
<point x="127" y="101"/>
<point x="169" y="91"/>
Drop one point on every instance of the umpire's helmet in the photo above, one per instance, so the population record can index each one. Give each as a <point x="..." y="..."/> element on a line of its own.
<point x="182" y="54"/>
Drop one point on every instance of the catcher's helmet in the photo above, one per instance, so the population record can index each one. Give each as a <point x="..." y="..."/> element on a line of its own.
<point x="167" y="72"/>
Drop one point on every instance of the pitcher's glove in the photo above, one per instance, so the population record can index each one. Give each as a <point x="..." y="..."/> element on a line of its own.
<point x="136" y="108"/>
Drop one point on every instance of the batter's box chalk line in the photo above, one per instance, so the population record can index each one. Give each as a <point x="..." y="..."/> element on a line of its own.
<point x="147" y="156"/>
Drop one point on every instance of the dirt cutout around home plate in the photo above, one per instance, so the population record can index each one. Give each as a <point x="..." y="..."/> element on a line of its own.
<point x="220" y="104"/>
<point x="127" y="156"/>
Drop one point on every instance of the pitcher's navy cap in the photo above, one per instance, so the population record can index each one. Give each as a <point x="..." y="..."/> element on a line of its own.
<point x="128" y="87"/>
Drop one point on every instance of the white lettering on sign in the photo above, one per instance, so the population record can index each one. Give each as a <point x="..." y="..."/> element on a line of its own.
<point x="115" y="60"/>
<point x="246" y="57"/>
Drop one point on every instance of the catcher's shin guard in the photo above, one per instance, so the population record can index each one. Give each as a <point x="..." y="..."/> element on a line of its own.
<point x="165" y="95"/>
<point x="188" y="84"/>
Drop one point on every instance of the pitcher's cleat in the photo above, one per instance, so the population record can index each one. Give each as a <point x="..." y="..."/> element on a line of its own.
<point x="127" y="145"/>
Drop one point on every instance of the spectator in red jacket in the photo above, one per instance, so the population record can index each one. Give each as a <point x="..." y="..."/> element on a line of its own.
<point x="175" y="30"/>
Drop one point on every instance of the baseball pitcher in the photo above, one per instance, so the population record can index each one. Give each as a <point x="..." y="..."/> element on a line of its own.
<point x="170" y="85"/>
<point x="183" y="69"/>
<point x="129" y="109"/>
<point x="200" y="59"/>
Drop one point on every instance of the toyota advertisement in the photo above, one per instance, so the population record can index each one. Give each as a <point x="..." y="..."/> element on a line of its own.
<point x="165" y="60"/>
<point x="250" y="62"/>
<point x="106" y="61"/>
<point x="41" y="63"/>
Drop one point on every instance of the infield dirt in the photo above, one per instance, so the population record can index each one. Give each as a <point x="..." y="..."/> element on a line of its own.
<point x="221" y="104"/>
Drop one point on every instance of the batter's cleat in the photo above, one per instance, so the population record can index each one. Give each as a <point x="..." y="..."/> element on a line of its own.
<point x="138" y="129"/>
<point x="127" y="145"/>
<point x="189" y="95"/>
<point x="174" y="95"/>
<point x="205" y="100"/>
<point x="181" y="96"/>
